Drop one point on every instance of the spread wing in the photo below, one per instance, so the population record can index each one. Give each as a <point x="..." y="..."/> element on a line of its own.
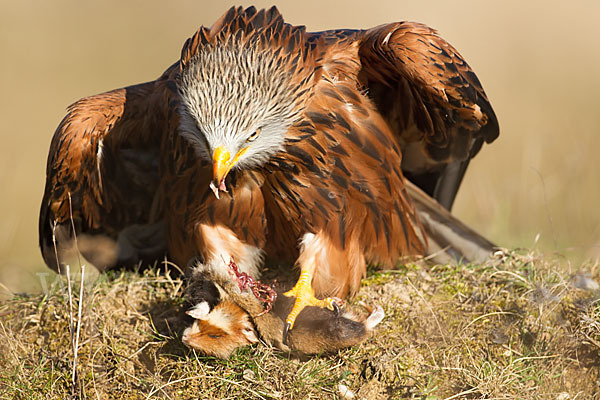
<point x="102" y="176"/>
<point x="432" y="101"/>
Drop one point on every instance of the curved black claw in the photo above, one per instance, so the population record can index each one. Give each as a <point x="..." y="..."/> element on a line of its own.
<point x="336" y="308"/>
<point x="286" y="329"/>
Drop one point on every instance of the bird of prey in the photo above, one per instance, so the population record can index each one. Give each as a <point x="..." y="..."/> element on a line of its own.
<point x="265" y="143"/>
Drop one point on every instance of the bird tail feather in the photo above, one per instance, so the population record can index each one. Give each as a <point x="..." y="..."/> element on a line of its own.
<point x="449" y="239"/>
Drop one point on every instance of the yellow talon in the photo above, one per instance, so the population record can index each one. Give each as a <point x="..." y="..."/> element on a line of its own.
<point x="305" y="296"/>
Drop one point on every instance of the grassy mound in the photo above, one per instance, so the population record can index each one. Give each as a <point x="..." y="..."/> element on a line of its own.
<point x="515" y="327"/>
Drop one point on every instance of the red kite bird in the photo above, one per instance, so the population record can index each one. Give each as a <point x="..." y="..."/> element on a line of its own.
<point x="264" y="144"/>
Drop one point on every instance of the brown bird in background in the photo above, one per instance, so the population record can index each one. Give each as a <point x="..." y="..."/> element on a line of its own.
<point x="268" y="144"/>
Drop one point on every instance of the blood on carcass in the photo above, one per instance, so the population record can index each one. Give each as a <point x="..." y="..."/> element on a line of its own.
<point x="263" y="292"/>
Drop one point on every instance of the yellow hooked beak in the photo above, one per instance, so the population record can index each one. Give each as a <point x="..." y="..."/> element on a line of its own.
<point x="221" y="167"/>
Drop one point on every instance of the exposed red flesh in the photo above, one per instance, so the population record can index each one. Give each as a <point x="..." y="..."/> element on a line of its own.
<point x="262" y="291"/>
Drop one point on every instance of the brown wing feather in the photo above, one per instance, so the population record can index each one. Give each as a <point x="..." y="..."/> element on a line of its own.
<point x="431" y="99"/>
<point x="438" y="91"/>
<point x="102" y="167"/>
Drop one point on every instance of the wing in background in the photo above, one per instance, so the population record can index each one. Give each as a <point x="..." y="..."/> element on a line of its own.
<point x="432" y="101"/>
<point x="102" y="177"/>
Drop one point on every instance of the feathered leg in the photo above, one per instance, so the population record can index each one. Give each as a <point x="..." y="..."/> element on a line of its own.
<point x="311" y="254"/>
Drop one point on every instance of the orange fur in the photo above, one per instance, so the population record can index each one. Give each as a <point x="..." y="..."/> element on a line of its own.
<point x="224" y="329"/>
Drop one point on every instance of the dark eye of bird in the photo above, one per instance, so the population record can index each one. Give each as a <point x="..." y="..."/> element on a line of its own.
<point x="254" y="135"/>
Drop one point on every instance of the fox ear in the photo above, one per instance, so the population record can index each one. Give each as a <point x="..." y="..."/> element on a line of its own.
<point x="250" y="335"/>
<point x="199" y="311"/>
<point x="375" y="318"/>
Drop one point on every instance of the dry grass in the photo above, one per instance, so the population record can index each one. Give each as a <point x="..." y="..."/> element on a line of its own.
<point x="512" y="328"/>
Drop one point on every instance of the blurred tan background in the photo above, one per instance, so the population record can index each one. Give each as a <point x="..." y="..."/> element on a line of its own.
<point x="539" y="62"/>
